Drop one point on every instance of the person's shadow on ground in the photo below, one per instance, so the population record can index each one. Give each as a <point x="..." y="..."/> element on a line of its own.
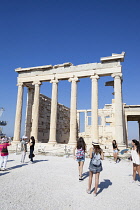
<point x="104" y="185"/>
<point x="24" y="164"/>
<point x="37" y="161"/>
<point x="1" y="174"/>
<point x="16" y="166"/>
<point x="85" y="175"/>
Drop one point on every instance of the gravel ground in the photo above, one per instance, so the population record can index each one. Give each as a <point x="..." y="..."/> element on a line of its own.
<point x="51" y="183"/>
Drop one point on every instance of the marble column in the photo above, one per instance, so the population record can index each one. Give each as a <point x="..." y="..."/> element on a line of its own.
<point x="18" y="117"/>
<point x="35" y="112"/>
<point x="53" y="118"/>
<point x="94" y="108"/>
<point x="30" y="97"/>
<point x="78" y="121"/>
<point x="73" y="111"/>
<point x="118" y="107"/>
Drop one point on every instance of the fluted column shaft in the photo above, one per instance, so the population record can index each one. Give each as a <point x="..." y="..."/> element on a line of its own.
<point x="35" y="115"/>
<point x="118" y="108"/>
<point x="29" y="112"/>
<point x="73" y="111"/>
<point x="78" y="121"/>
<point x="53" y="118"/>
<point x="18" y="117"/>
<point x="94" y="108"/>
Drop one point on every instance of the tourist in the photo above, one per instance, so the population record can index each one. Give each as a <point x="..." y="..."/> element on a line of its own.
<point x="135" y="153"/>
<point x="115" y="151"/>
<point x="32" y="144"/>
<point x="80" y="155"/>
<point x="4" y="143"/>
<point x="95" y="166"/>
<point x="24" y="143"/>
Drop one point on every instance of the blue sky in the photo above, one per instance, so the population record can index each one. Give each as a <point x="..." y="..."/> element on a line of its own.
<point x="42" y="32"/>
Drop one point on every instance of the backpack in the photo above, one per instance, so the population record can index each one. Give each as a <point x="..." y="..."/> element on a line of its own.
<point x="80" y="153"/>
<point x="96" y="159"/>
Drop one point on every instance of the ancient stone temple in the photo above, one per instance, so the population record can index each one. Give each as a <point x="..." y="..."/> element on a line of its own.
<point x="51" y="122"/>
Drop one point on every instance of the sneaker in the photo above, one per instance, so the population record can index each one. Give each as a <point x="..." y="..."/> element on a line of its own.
<point x="4" y="169"/>
<point x="133" y="181"/>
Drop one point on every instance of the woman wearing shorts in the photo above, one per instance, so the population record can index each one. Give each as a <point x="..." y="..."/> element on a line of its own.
<point x="95" y="166"/>
<point x="135" y="153"/>
<point x="80" y="155"/>
<point x="115" y="150"/>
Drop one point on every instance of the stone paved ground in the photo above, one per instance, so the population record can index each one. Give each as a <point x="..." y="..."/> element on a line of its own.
<point x="51" y="183"/>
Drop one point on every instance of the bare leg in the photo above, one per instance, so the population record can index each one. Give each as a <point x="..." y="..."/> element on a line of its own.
<point x="138" y="169"/>
<point x="115" y="156"/>
<point x="134" y="171"/>
<point x="90" y="180"/>
<point x="96" y="182"/>
<point x="81" y="169"/>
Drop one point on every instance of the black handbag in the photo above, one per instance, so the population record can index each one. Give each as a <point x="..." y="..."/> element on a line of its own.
<point x="32" y="156"/>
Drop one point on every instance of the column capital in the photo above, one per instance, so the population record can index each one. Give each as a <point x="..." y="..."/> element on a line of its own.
<point x="116" y="75"/>
<point x="36" y="83"/>
<point x="73" y="79"/>
<point x="55" y="80"/>
<point x="20" y="84"/>
<point x="94" y="77"/>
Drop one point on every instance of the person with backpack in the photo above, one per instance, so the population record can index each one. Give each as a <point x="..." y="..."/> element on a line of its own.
<point x="24" y="143"/>
<point x="4" y="143"/>
<point x="95" y="166"/>
<point x="80" y="155"/>
<point x="135" y="154"/>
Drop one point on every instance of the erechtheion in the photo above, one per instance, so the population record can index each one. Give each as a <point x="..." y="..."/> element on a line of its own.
<point x="43" y="124"/>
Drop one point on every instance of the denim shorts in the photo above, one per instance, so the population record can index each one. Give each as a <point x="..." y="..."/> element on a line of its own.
<point x="80" y="160"/>
<point x="115" y="151"/>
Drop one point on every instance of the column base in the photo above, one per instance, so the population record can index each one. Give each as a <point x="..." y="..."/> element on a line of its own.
<point x="52" y="143"/>
<point x="72" y="143"/>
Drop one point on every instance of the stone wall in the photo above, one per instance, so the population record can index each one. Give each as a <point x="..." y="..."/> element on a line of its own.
<point x="63" y="121"/>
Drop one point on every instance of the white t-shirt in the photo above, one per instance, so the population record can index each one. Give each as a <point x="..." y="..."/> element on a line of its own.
<point x="135" y="157"/>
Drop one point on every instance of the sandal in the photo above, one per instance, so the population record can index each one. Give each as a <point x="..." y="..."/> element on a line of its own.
<point x="88" y="191"/>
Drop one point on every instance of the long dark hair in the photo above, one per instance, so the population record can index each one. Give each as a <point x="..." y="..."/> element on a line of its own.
<point x="97" y="149"/>
<point x="137" y="145"/>
<point x="114" y="142"/>
<point x="33" y="139"/>
<point x="81" y="144"/>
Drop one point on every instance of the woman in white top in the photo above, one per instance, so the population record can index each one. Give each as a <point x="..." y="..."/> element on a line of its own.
<point x="135" y="153"/>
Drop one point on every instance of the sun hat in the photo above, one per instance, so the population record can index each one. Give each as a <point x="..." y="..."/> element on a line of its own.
<point x="24" y="137"/>
<point x="95" y="143"/>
